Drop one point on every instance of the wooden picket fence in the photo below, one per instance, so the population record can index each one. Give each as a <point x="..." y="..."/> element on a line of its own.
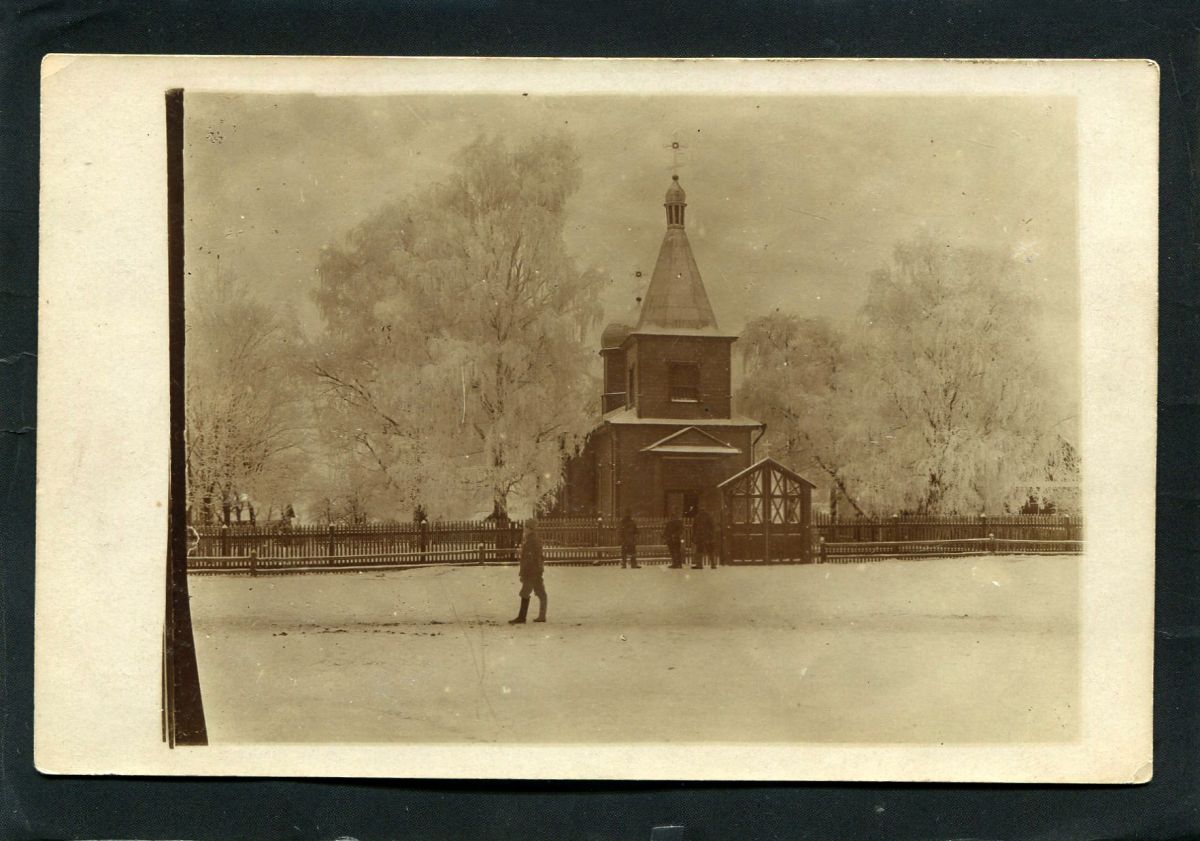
<point x="451" y="541"/>
<point x="576" y="541"/>
<point x="846" y="553"/>
<point x="906" y="528"/>
<point x="581" y="541"/>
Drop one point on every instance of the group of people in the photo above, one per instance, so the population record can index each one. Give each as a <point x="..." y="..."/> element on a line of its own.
<point x="532" y="568"/>
<point x="703" y="541"/>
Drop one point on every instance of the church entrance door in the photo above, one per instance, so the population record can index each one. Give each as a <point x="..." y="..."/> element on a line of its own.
<point x="681" y="504"/>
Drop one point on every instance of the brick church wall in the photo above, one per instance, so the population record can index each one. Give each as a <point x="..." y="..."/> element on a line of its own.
<point x="654" y="355"/>
<point x="644" y="478"/>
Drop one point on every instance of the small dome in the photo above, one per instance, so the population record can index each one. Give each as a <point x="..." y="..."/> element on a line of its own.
<point x="675" y="192"/>
<point x="614" y="335"/>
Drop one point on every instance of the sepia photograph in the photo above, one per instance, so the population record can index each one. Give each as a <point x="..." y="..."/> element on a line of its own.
<point x="597" y="419"/>
<point x="519" y="418"/>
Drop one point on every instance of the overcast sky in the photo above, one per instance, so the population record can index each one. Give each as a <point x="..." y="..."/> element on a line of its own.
<point x="792" y="201"/>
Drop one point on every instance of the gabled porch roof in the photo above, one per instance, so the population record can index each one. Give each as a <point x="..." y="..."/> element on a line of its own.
<point x="764" y="464"/>
<point x="691" y="441"/>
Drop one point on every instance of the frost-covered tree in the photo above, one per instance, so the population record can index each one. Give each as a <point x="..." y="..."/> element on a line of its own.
<point x="246" y="423"/>
<point x="938" y="400"/>
<point x="960" y="420"/>
<point x="342" y="492"/>
<point x="798" y="380"/>
<point x="453" y="322"/>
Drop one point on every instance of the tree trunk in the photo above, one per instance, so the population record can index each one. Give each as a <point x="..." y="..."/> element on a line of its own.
<point x="499" y="493"/>
<point x="933" y="495"/>
<point x="499" y="507"/>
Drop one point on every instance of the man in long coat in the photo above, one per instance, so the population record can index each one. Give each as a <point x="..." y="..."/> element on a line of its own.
<point x="628" y="533"/>
<point x="703" y="537"/>
<point x="673" y="537"/>
<point x="531" y="573"/>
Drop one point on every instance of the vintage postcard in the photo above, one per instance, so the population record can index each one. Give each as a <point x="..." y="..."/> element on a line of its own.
<point x="597" y="419"/>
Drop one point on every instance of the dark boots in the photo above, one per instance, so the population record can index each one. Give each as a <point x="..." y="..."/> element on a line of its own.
<point x="541" y="617"/>
<point x="520" y="620"/>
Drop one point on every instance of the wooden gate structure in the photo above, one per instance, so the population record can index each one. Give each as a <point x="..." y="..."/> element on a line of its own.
<point x="766" y="515"/>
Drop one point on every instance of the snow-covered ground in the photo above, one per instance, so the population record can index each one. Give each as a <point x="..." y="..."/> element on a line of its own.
<point x="955" y="650"/>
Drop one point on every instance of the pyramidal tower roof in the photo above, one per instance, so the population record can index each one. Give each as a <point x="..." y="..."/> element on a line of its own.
<point x="675" y="301"/>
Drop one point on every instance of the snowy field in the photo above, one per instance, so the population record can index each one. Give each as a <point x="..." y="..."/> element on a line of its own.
<point x="973" y="649"/>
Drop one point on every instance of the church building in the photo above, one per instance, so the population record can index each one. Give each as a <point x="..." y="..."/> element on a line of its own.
<point x="667" y="435"/>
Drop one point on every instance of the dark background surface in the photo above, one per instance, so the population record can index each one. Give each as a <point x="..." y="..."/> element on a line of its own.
<point x="33" y="806"/>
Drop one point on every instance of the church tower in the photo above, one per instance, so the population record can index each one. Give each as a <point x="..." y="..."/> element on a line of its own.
<point x="667" y="434"/>
<point x="678" y="358"/>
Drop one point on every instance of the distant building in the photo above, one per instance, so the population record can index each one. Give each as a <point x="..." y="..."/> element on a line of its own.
<point x="667" y="434"/>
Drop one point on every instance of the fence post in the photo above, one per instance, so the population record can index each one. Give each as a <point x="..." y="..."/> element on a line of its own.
<point x="992" y="542"/>
<point x="225" y="541"/>
<point x="895" y="528"/>
<point x="481" y="552"/>
<point x="983" y="525"/>
<point x="329" y="547"/>
<point x="253" y="562"/>
<point x="822" y="550"/>
<point x="599" y="537"/>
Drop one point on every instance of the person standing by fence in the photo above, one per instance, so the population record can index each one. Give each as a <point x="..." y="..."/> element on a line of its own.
<point x="423" y="535"/>
<point x="629" y="532"/>
<point x="673" y="537"/>
<point x="531" y="572"/>
<point x="702" y="540"/>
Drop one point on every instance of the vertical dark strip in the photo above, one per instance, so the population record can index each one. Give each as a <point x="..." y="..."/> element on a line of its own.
<point x="183" y="707"/>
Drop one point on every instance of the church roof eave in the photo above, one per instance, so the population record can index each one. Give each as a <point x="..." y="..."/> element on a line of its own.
<point x="692" y="450"/>
<point x="707" y="332"/>
<point x="624" y="416"/>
